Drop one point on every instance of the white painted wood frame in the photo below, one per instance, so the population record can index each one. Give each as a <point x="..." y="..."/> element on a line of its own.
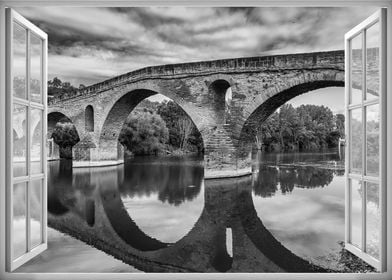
<point x="387" y="141"/>
<point x="360" y="29"/>
<point x="13" y="18"/>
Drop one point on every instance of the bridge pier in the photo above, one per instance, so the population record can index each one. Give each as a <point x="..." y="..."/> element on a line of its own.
<point x="224" y="163"/>
<point x="87" y="153"/>
<point x="224" y="158"/>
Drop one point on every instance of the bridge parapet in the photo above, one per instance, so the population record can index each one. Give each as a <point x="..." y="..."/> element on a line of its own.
<point x="317" y="60"/>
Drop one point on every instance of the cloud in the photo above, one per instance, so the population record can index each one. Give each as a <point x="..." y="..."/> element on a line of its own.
<point x="88" y="45"/>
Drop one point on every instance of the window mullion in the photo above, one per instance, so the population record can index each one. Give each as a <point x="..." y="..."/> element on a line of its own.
<point x="28" y="136"/>
<point x="364" y="185"/>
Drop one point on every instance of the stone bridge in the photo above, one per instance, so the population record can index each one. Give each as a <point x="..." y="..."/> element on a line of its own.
<point x="97" y="216"/>
<point x="226" y="99"/>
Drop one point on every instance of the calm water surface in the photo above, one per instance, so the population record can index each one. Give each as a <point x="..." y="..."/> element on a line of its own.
<point x="299" y="197"/>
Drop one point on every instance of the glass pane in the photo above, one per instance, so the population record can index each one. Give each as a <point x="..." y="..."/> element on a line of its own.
<point x="356" y="141"/>
<point x="372" y="61"/>
<point x="19" y="140"/>
<point x="19" y="220"/>
<point x="356" y="212"/>
<point x="35" y="212"/>
<point x="35" y="68"/>
<point x="19" y="61"/>
<point x="373" y="217"/>
<point x="356" y="69"/>
<point x="36" y="140"/>
<point x="372" y="140"/>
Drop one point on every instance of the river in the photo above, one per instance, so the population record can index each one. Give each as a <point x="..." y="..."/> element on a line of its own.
<point x="299" y="197"/>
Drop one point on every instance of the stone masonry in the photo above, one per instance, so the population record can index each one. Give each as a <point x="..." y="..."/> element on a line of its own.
<point x="259" y="85"/>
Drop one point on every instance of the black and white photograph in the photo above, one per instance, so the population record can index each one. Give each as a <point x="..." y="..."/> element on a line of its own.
<point x="196" y="139"/>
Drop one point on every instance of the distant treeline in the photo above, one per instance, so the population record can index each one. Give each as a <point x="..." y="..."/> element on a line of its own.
<point x="307" y="127"/>
<point x="57" y="87"/>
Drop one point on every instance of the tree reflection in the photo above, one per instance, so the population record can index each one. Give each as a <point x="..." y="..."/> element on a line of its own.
<point x="174" y="183"/>
<point x="270" y="178"/>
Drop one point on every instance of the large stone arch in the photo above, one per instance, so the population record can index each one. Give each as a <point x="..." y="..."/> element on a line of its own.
<point x="262" y="108"/>
<point x="114" y="114"/>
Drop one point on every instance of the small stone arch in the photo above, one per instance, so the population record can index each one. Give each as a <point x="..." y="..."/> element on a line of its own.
<point x="221" y="93"/>
<point x="56" y="117"/>
<point x="89" y="118"/>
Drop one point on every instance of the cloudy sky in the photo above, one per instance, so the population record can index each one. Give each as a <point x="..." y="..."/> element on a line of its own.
<point x="89" y="45"/>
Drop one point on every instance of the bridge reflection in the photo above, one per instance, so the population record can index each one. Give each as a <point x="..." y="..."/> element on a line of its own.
<point x="92" y="210"/>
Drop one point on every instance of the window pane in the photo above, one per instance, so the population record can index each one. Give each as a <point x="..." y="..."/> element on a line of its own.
<point x="373" y="216"/>
<point x="356" y="70"/>
<point x="372" y="140"/>
<point x="373" y="61"/>
<point x="356" y="141"/>
<point x="19" y="140"/>
<point x="35" y="69"/>
<point x="19" y="61"/>
<point x="19" y="220"/>
<point x="36" y="140"/>
<point x="356" y="212"/>
<point x="35" y="212"/>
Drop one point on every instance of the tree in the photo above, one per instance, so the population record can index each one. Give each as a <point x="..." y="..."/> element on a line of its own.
<point x="288" y="122"/>
<point x="185" y="126"/>
<point x="56" y="83"/>
<point x="306" y="127"/>
<point x="57" y="88"/>
<point x="144" y="133"/>
<point x="339" y="121"/>
<point x="66" y="136"/>
<point x="183" y="134"/>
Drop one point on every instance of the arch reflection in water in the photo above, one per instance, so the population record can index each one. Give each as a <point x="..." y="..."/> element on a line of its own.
<point x="226" y="204"/>
<point x="164" y="196"/>
<point x="302" y="192"/>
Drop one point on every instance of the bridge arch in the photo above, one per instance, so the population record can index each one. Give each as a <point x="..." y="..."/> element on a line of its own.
<point x="89" y="118"/>
<point x="221" y="94"/>
<point x="56" y="117"/>
<point x="261" y="109"/>
<point x="120" y="108"/>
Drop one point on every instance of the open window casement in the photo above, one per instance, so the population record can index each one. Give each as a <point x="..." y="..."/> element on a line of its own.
<point x="365" y="87"/>
<point x="26" y="172"/>
<point x="26" y="127"/>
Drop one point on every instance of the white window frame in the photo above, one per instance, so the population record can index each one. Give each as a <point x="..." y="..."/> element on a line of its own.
<point x="29" y="104"/>
<point x="380" y="180"/>
<point x="253" y="3"/>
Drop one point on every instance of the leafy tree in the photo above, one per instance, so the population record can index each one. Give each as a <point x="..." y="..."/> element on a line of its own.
<point x="306" y="127"/>
<point x="144" y="133"/>
<point x="339" y="120"/>
<point x="183" y="134"/>
<point x="56" y="87"/>
<point x="66" y="136"/>
<point x="56" y="82"/>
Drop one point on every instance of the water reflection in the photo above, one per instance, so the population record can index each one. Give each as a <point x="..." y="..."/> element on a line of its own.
<point x="302" y="192"/>
<point x="268" y="179"/>
<point x="160" y="215"/>
<point x="175" y="180"/>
